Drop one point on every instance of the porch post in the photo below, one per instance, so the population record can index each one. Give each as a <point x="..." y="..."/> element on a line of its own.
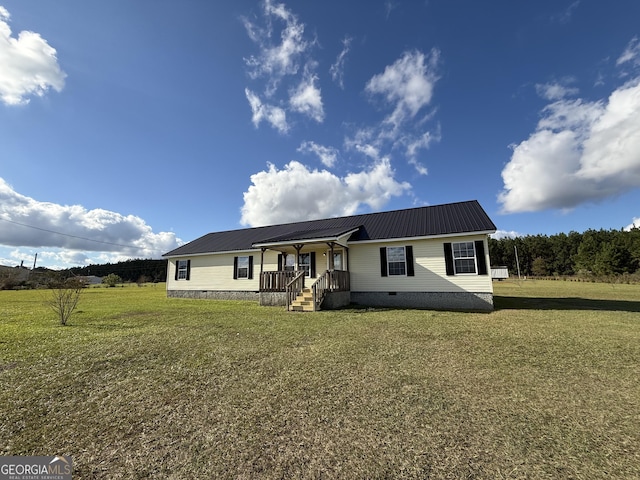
<point x="298" y="247"/>
<point x="262" y="259"/>
<point x="346" y="258"/>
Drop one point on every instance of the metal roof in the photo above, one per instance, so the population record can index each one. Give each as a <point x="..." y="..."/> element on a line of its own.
<point x="309" y="235"/>
<point x="436" y="220"/>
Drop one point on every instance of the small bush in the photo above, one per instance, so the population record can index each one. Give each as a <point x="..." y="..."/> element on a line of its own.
<point x="64" y="298"/>
<point x="112" y="280"/>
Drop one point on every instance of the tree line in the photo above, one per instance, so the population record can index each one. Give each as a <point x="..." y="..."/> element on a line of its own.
<point x="129" y="271"/>
<point x="598" y="253"/>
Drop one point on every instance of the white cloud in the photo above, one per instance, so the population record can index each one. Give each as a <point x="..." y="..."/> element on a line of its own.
<point x="297" y="193"/>
<point x="279" y="62"/>
<point x="407" y="87"/>
<point x="631" y="53"/>
<point x="612" y="149"/>
<point x="307" y="99"/>
<point x="272" y="114"/>
<point x="28" y="65"/>
<point x="566" y="15"/>
<point x="327" y="155"/>
<point x="368" y="150"/>
<point x="580" y="152"/>
<point x="337" y="69"/>
<point x="635" y="223"/>
<point x="281" y="58"/>
<point x="415" y="144"/>
<point x="27" y="222"/>
<point x="555" y="91"/>
<point x="500" y="234"/>
<point x="419" y="166"/>
<point x="575" y="115"/>
<point x="389" y="7"/>
<point x="407" y="84"/>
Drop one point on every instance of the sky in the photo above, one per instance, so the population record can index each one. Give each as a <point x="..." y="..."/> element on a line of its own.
<point x="129" y="128"/>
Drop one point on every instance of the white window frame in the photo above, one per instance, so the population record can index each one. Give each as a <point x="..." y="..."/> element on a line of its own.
<point x="182" y="266"/>
<point x="393" y="271"/>
<point x="242" y="270"/>
<point x="462" y="255"/>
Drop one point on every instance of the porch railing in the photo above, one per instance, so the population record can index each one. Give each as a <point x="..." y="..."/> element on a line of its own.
<point x="294" y="287"/>
<point x="275" y="281"/>
<point x="329" y="281"/>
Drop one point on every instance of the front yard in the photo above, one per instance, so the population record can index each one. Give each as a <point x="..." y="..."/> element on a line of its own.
<point x="141" y="386"/>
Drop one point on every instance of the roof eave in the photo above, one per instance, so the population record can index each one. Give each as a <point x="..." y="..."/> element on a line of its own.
<point x="200" y="254"/>
<point x="424" y="237"/>
<point x="306" y="241"/>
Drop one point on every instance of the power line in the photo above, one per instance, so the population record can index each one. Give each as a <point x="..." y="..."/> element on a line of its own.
<point x="71" y="236"/>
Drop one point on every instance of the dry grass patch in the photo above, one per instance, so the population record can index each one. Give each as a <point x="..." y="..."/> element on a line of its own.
<point x="140" y="386"/>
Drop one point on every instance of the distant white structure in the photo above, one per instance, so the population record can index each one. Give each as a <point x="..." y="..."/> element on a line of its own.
<point x="498" y="273"/>
<point x="93" y="280"/>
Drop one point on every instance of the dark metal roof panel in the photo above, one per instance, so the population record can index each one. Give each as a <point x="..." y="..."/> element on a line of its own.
<point x="332" y="232"/>
<point x="448" y="219"/>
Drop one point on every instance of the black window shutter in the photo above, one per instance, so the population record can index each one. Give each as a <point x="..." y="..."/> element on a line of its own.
<point x="448" y="259"/>
<point x="177" y="265"/>
<point x="482" y="261"/>
<point x="312" y="266"/>
<point x="188" y="269"/>
<point x="408" y="250"/>
<point x="383" y="261"/>
<point x="235" y="268"/>
<point x="250" y="267"/>
<point x="279" y="262"/>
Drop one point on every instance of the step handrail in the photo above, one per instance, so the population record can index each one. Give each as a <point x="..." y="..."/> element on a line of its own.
<point x="294" y="287"/>
<point x="320" y="288"/>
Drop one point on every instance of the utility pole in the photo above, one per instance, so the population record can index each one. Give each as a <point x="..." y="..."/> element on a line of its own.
<point x="517" y="261"/>
<point x="34" y="267"/>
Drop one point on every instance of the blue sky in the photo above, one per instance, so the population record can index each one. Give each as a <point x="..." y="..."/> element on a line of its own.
<point x="128" y="128"/>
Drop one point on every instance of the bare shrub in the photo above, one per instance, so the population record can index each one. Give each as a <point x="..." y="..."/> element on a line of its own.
<point x="64" y="298"/>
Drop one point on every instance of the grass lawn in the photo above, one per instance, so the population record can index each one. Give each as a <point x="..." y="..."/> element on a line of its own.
<point x="141" y="386"/>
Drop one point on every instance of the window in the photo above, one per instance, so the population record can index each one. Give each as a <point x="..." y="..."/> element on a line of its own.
<point x="290" y="263"/>
<point x="396" y="261"/>
<point x="182" y="269"/>
<point x="464" y="257"/>
<point x="304" y="263"/>
<point x="243" y="267"/>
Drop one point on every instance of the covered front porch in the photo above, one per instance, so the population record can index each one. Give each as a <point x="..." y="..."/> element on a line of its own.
<point x="312" y="271"/>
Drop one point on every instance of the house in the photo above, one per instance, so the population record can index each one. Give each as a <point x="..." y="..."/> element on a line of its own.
<point x="433" y="257"/>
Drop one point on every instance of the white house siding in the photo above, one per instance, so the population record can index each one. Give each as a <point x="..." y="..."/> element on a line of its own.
<point x="215" y="272"/>
<point x="429" y="264"/>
